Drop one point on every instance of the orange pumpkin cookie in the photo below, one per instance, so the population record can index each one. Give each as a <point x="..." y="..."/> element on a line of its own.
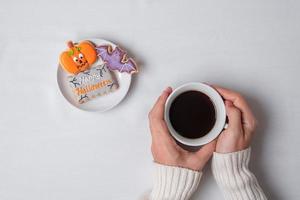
<point x="78" y="58"/>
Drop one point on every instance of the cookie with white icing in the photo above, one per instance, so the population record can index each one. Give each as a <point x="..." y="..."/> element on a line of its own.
<point x="92" y="83"/>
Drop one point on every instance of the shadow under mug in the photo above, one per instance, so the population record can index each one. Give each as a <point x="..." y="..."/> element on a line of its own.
<point x="219" y="107"/>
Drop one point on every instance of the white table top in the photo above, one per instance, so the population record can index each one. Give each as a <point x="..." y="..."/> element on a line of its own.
<point x="51" y="150"/>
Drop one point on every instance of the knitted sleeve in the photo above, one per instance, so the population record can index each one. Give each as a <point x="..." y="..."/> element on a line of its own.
<point x="234" y="177"/>
<point x="174" y="183"/>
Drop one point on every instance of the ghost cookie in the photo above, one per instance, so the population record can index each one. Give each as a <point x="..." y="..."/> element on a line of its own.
<point x="78" y="57"/>
<point x="92" y="83"/>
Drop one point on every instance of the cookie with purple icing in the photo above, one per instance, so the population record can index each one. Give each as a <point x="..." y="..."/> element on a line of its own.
<point x="116" y="59"/>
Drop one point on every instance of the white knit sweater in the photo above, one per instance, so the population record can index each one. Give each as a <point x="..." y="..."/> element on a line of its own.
<point x="230" y="171"/>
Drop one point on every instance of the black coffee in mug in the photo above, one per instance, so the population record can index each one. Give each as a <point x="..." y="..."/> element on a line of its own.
<point x="192" y="114"/>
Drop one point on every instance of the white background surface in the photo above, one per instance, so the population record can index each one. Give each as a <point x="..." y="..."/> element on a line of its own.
<point x="50" y="150"/>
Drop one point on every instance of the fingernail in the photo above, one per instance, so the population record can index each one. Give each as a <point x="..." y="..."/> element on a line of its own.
<point x="168" y="89"/>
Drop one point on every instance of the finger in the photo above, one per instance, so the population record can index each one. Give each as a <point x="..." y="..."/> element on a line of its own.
<point x="160" y="134"/>
<point x="238" y="101"/>
<point x="159" y="129"/>
<point x="206" y="151"/>
<point x="234" y="118"/>
<point x="157" y="111"/>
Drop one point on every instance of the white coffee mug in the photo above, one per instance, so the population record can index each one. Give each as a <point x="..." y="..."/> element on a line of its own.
<point x="220" y="111"/>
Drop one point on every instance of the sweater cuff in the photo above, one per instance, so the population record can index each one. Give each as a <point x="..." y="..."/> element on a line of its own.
<point x="233" y="176"/>
<point x="174" y="183"/>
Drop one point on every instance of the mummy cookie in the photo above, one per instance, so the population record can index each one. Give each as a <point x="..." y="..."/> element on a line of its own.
<point x="78" y="58"/>
<point x="116" y="59"/>
<point x="92" y="83"/>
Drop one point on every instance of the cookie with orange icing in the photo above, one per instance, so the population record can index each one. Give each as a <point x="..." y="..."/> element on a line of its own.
<point x="78" y="57"/>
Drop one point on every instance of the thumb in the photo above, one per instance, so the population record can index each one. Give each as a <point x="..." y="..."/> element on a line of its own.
<point x="234" y="117"/>
<point x="158" y="108"/>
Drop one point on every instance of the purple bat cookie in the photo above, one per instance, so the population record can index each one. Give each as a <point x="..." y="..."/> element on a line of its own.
<point x="116" y="59"/>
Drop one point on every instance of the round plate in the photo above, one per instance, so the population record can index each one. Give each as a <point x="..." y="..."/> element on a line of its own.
<point x="102" y="103"/>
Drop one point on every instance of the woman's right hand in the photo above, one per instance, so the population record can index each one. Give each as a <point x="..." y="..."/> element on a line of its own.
<point x="164" y="148"/>
<point x="241" y="125"/>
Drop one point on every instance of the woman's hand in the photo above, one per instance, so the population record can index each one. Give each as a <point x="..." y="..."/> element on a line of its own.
<point x="164" y="148"/>
<point x="241" y="124"/>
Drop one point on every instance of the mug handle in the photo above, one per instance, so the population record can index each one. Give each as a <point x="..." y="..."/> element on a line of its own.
<point x="226" y="123"/>
<point x="225" y="126"/>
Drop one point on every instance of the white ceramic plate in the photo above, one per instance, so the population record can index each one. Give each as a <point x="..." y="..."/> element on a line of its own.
<point x="102" y="103"/>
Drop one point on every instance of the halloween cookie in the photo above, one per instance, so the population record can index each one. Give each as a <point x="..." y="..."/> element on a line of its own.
<point x="92" y="83"/>
<point x="116" y="59"/>
<point x="94" y="74"/>
<point x="78" y="57"/>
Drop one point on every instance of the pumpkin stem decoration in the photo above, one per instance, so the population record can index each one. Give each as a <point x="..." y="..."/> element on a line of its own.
<point x="70" y="44"/>
<point x="78" y="58"/>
